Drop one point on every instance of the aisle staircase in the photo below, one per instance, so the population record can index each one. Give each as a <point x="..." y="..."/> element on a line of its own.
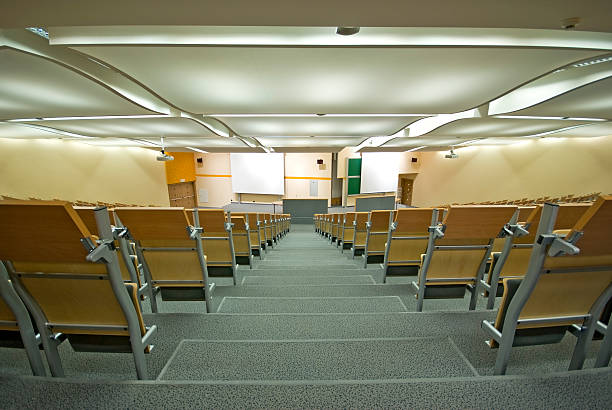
<point x="309" y="327"/>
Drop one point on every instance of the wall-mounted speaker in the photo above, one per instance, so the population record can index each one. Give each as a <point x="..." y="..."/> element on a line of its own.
<point x="320" y="161"/>
<point x="415" y="159"/>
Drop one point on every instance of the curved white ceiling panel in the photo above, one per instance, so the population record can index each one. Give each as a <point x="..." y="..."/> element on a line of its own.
<point x="501" y="127"/>
<point x="214" y="80"/>
<point x="201" y="142"/>
<point x="34" y="87"/>
<point x="8" y="130"/>
<point x="600" y="129"/>
<point x="317" y="125"/>
<point x="408" y="143"/>
<point x="131" y="127"/>
<point x="590" y="101"/>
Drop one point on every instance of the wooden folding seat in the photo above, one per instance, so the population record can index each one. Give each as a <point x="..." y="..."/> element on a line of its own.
<point x="407" y="240"/>
<point x="333" y="227"/>
<point x="315" y="221"/>
<point x="242" y="241"/>
<point x="273" y="228"/>
<point x="218" y="243"/>
<point x="377" y="229"/>
<point x="458" y="250"/>
<point x="513" y="259"/>
<point x="261" y="227"/>
<point x="170" y="253"/>
<point x="347" y="231"/>
<point x="254" y="238"/>
<point x="360" y="233"/>
<point x="71" y="285"/>
<point x="270" y="240"/>
<point x="566" y="287"/>
<point x="16" y="328"/>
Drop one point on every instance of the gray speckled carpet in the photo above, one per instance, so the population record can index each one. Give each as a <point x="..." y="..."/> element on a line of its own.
<point x="309" y="327"/>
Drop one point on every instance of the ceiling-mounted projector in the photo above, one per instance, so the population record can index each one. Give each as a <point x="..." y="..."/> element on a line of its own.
<point x="451" y="155"/>
<point x="162" y="155"/>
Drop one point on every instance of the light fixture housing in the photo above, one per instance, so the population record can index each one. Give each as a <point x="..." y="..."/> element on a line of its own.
<point x="347" y="30"/>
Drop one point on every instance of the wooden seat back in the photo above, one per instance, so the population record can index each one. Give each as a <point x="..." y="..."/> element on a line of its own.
<point x="215" y="239"/>
<point x="572" y="293"/>
<point x="164" y="228"/>
<point x="240" y="236"/>
<point x="361" y="218"/>
<point x="348" y="228"/>
<point x="473" y="225"/>
<point x="69" y="290"/>
<point x="377" y="235"/>
<point x="410" y="222"/>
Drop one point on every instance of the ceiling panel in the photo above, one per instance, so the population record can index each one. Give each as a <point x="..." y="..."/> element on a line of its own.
<point x="500" y="127"/>
<point x="275" y="80"/>
<point x="310" y="141"/>
<point x="132" y="127"/>
<point x="408" y="143"/>
<point x="33" y="87"/>
<point x="8" y="130"/>
<point x="317" y="125"/>
<point x="595" y="130"/>
<point x="590" y="101"/>
<point x="200" y="142"/>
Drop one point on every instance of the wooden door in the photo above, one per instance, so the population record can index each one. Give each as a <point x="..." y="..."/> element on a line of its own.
<point x="182" y="194"/>
<point x="407" y="191"/>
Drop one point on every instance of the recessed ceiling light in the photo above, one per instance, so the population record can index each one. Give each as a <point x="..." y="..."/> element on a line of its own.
<point x="347" y="31"/>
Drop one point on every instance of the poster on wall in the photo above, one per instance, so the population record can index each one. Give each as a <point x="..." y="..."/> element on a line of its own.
<point x="258" y="173"/>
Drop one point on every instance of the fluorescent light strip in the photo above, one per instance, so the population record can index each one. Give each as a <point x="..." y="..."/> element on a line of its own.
<point x="541" y="134"/>
<point x="326" y="36"/>
<point x="55" y="131"/>
<point x="101" y="117"/>
<point x="315" y="115"/>
<point x="468" y="142"/>
<point x="145" y="142"/>
<point x="529" y="117"/>
<point x="197" y="150"/>
<point x="416" y="149"/>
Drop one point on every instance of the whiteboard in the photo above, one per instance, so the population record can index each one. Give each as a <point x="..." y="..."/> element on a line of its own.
<point x="379" y="172"/>
<point x="258" y="173"/>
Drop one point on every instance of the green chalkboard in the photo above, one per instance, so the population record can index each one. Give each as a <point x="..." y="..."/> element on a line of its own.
<point x="354" y="186"/>
<point x="354" y="167"/>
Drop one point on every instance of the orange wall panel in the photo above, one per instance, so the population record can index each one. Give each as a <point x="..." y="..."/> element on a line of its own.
<point x="182" y="169"/>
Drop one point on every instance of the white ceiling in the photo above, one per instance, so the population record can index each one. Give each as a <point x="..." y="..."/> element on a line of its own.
<point x="245" y="96"/>
<point x="324" y="80"/>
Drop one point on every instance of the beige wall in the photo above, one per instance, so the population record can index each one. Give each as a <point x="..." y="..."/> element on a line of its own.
<point x="544" y="167"/>
<point x="215" y="176"/>
<point x="74" y="171"/>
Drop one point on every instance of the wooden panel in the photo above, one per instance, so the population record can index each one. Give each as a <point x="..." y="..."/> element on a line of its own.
<point x="413" y="220"/>
<point x="348" y="234"/>
<point x="406" y="249"/>
<point x="376" y="244"/>
<point x="595" y="223"/>
<point x="56" y="227"/>
<point x="361" y="218"/>
<point x="155" y="223"/>
<point x="565" y="294"/>
<point x="77" y="301"/>
<point x="360" y="239"/>
<point x="455" y="264"/>
<point x="379" y="221"/>
<point x="349" y="218"/>
<point x="476" y="221"/>
<point x="212" y="220"/>
<point x="166" y="265"/>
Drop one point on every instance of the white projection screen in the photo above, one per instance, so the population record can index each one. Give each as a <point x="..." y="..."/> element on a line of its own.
<point x="379" y="172"/>
<point x="258" y="173"/>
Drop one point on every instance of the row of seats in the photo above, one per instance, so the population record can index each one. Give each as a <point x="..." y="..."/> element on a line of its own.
<point x="69" y="273"/>
<point x="541" y="200"/>
<point x="550" y="264"/>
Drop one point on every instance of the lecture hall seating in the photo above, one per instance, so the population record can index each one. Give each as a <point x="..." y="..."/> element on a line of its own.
<point x="72" y="285"/>
<point x="566" y="287"/>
